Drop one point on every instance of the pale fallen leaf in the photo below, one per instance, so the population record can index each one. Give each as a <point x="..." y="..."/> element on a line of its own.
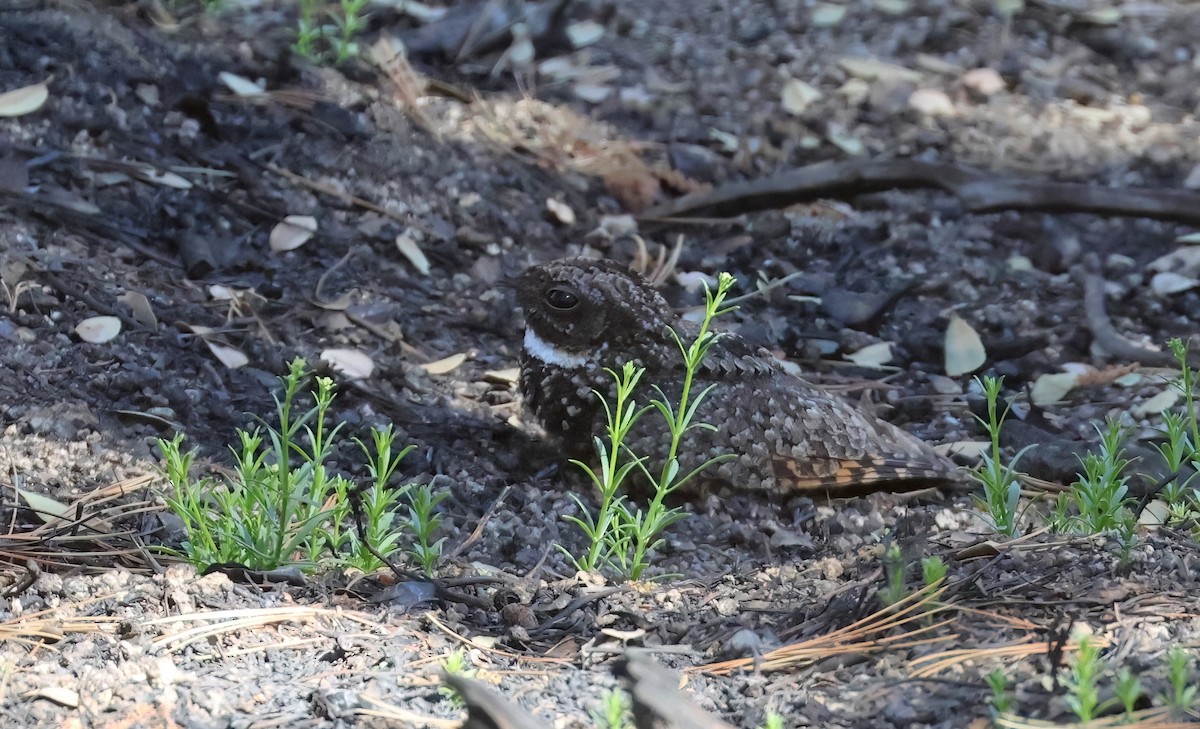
<point x="140" y="307"/>
<point x="1051" y="388"/>
<point x="591" y="92"/>
<point x="1130" y="380"/>
<point x="798" y="96"/>
<point x="292" y="232"/>
<point x="871" y="69"/>
<point x="409" y="248"/>
<point x="60" y="695"/>
<point x="562" y="212"/>
<point x="1156" y="513"/>
<point x="1183" y="261"/>
<point x="1158" y="404"/>
<point x="845" y="140"/>
<point x="1101" y="16"/>
<point x="931" y="102"/>
<point x="98" y="329"/>
<point x="350" y="362"/>
<point x="231" y="357"/>
<point x="507" y="376"/>
<point x="221" y="292"/>
<point x="160" y="177"/>
<point x="826" y="15"/>
<point x="872" y="355"/>
<point x="24" y="100"/>
<point x="1190" y="238"/>
<point x="240" y="85"/>
<point x="442" y="366"/>
<point x="964" y="350"/>
<point x="46" y="508"/>
<point x="584" y="33"/>
<point x="971" y="450"/>
<point x="984" y="81"/>
<point x="1169" y="282"/>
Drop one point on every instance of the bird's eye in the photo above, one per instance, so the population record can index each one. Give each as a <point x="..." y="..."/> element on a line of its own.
<point x="561" y="299"/>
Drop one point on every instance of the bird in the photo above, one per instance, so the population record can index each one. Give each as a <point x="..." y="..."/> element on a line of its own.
<point x="776" y="432"/>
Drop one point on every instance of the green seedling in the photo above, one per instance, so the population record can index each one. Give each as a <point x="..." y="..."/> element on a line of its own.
<point x="1001" y="486"/>
<point x="622" y="536"/>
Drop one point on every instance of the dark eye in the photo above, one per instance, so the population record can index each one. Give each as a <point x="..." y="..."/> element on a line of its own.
<point x="561" y="299"/>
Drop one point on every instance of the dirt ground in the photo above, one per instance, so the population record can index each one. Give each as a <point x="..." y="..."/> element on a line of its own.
<point x="147" y="189"/>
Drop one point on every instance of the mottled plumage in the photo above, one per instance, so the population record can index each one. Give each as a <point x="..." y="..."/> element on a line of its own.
<point x="584" y="315"/>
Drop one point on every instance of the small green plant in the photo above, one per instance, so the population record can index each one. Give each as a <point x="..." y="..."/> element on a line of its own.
<point x="270" y="512"/>
<point x="894" y="567"/>
<point x="348" y="25"/>
<point x="1001" y="487"/>
<point x="933" y="571"/>
<point x="622" y="536"/>
<point x="1083" y="692"/>
<point x="614" y="712"/>
<point x="308" y="30"/>
<point x="1181" y="434"/>
<point x="384" y="530"/>
<point x="1002" y="700"/>
<point x="1128" y="689"/>
<point x="282" y="507"/>
<point x="424" y="521"/>
<point x="1098" y="501"/>
<point x="772" y="721"/>
<point x="334" y="41"/>
<point x="1182" y="697"/>
<point x="455" y="664"/>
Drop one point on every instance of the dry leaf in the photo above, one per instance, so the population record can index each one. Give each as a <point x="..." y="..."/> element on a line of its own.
<point x="293" y="232"/>
<point x="584" y="33"/>
<point x="870" y="69"/>
<point x="409" y="248"/>
<point x="963" y="348"/>
<point x="350" y="362"/>
<point x="1183" y="261"/>
<point x="98" y="329"/>
<point x="160" y="177"/>
<point x="827" y="15"/>
<point x="931" y="102"/>
<point x="1156" y="513"/>
<point x="1158" y="404"/>
<point x="873" y="355"/>
<point x="46" y="508"/>
<point x="442" y="366"/>
<point x="1169" y="282"/>
<point x="240" y="85"/>
<point x="562" y="212"/>
<point x="1051" y="388"/>
<point x="797" y="96"/>
<point x="1191" y="238"/>
<point x="60" y="695"/>
<point x="231" y="357"/>
<point x="139" y="305"/>
<point x="970" y="449"/>
<point x="502" y="377"/>
<point x="221" y="292"/>
<point x="24" y="100"/>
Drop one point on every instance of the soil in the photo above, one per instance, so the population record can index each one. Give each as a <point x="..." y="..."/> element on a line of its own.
<point x="458" y="158"/>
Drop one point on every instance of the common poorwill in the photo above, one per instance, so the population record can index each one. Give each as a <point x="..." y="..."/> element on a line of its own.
<point x="585" y="315"/>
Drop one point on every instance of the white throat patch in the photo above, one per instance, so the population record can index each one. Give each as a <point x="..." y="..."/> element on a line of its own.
<point x="542" y="350"/>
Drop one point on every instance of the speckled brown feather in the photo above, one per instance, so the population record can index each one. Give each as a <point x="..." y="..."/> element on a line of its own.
<point x="787" y="434"/>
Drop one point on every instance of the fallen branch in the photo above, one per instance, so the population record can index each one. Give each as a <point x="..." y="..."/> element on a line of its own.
<point x="1106" y="335"/>
<point x="979" y="192"/>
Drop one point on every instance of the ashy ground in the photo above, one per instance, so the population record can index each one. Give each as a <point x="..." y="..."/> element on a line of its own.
<point x="150" y="183"/>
